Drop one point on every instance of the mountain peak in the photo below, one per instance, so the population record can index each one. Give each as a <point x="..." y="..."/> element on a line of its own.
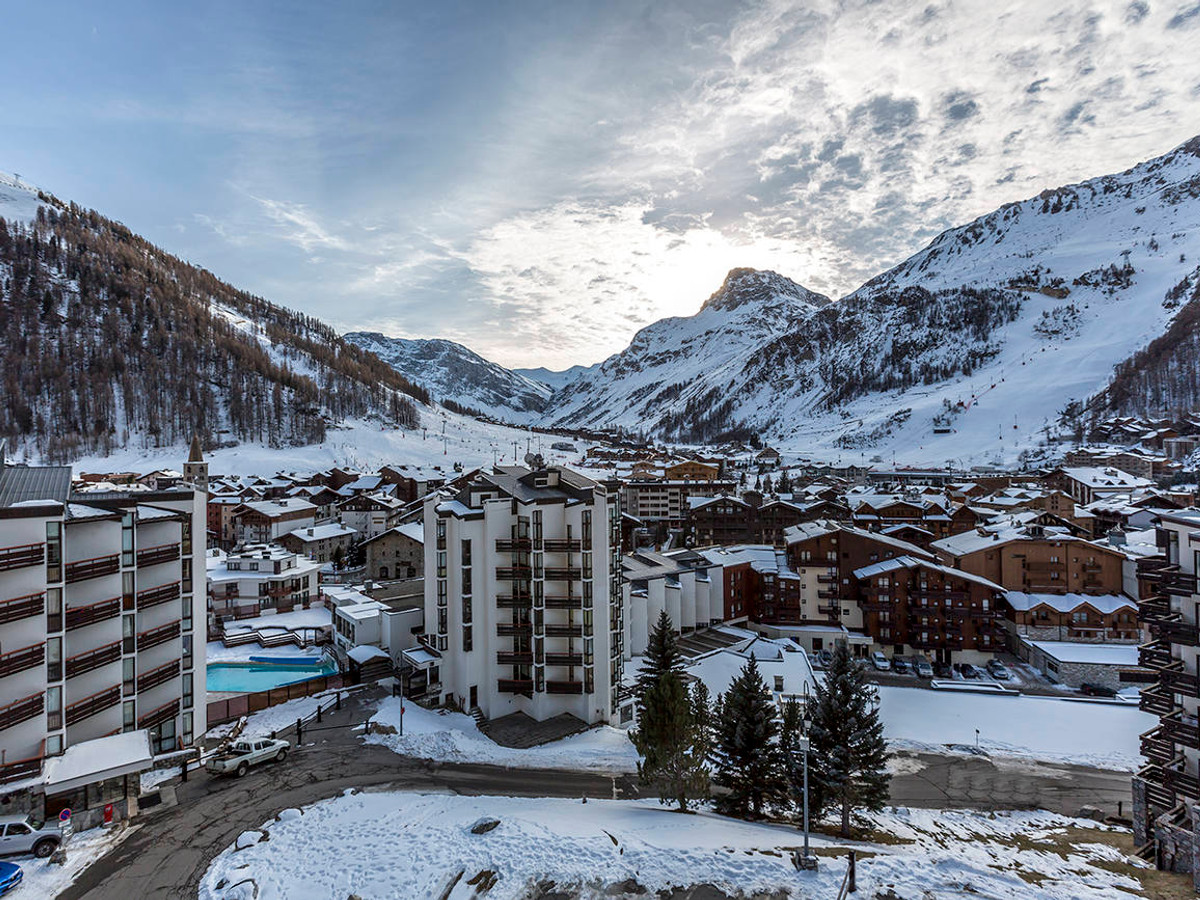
<point x="744" y="286"/>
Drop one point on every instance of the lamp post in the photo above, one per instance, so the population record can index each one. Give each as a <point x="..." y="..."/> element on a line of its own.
<point x="806" y="862"/>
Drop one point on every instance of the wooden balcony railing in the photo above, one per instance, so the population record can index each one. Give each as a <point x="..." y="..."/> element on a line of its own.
<point x="158" y="595"/>
<point x="1181" y="783"/>
<point x="1155" y="654"/>
<point x="157" y="676"/>
<point x="1157" y="748"/>
<point x="22" y="660"/>
<point x="22" y="710"/>
<point x="81" y="616"/>
<point x="21" y="768"/>
<point x="564" y="603"/>
<point x="564" y="574"/>
<point x="21" y="556"/>
<point x="511" y="629"/>
<point x="514" y="573"/>
<point x="515" y="686"/>
<point x="564" y="631"/>
<point x="564" y="687"/>
<point x="558" y="545"/>
<point x="93" y="568"/>
<point x="159" y="714"/>
<point x="1181" y="584"/>
<point x="1156" y="700"/>
<point x="93" y="704"/>
<point x="159" y="635"/>
<point x="93" y="659"/>
<point x="1180" y="632"/>
<point x="22" y="607"/>
<point x="517" y="545"/>
<point x="505" y="658"/>
<point x="1179" y="682"/>
<point x="513" y="601"/>
<point x="564" y="659"/>
<point x="163" y="553"/>
<point x="1183" y="733"/>
<point x="1156" y="790"/>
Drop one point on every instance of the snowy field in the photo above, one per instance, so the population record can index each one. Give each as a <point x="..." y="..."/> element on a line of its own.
<point x="45" y="881"/>
<point x="455" y="737"/>
<point x="408" y="845"/>
<point x="1046" y="728"/>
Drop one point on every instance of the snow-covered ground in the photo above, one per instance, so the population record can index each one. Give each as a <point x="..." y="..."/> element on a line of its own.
<point x="419" y="845"/>
<point x="44" y="880"/>
<point x="455" y="737"/>
<point x="1046" y="728"/>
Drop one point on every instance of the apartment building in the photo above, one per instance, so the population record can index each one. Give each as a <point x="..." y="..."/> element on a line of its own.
<point x="320" y="542"/>
<point x="523" y="593"/>
<point x="679" y="583"/>
<point x="263" y="521"/>
<point x="398" y="553"/>
<point x="100" y="594"/>
<point x="1166" y="792"/>
<point x="371" y="514"/>
<point x="663" y="502"/>
<point x="257" y="579"/>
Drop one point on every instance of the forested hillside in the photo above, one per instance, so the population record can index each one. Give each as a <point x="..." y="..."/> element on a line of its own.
<point x="110" y="342"/>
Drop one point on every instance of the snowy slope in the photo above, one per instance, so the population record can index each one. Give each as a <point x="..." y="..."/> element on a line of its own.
<point x="18" y="200"/>
<point x="451" y="371"/>
<point x="985" y="335"/>
<point x="557" y="380"/>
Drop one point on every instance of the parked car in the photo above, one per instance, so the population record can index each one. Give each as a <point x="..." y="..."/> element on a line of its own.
<point x="924" y="669"/>
<point x="969" y="671"/>
<point x="24" y="834"/>
<point x="238" y="759"/>
<point x="901" y="666"/>
<point x="998" y="670"/>
<point x="1096" y="690"/>
<point x="880" y="662"/>
<point x="943" y="670"/>
<point x="10" y="877"/>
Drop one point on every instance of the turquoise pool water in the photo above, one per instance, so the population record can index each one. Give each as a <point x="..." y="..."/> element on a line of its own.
<point x="249" y="677"/>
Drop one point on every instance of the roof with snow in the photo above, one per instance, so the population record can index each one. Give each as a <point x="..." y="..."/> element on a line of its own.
<point x="96" y="760"/>
<point x="322" y="532"/>
<point x="1124" y="655"/>
<point x="364" y="653"/>
<point x="909" y="562"/>
<point x="1065" y="603"/>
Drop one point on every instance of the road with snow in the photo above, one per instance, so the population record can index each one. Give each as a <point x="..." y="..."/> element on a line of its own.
<point x="171" y="850"/>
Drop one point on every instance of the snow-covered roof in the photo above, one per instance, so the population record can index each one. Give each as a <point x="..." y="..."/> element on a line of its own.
<point x="1105" y="603"/>
<point x="97" y="760"/>
<point x="364" y="653"/>
<point x="1089" y="654"/>
<point x="322" y="532"/>
<point x="274" y="508"/>
<point x="910" y="562"/>
<point x="1105" y="478"/>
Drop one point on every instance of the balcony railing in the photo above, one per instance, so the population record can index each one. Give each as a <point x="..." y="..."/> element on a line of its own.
<point x="93" y="704"/>
<point x="564" y="687"/>
<point x="513" y="601"/>
<point x="564" y="574"/>
<point x="1156" y="608"/>
<point x="564" y="659"/>
<point x="1180" y="632"/>
<point x="22" y="607"/>
<point x="515" y="686"/>
<point x="514" y="573"/>
<point x="21" y="556"/>
<point x="157" y="676"/>
<point x="1156" y="790"/>
<point x="81" y="616"/>
<point x="1181" y="783"/>
<point x="22" y="660"/>
<point x="156" y="636"/>
<point x="562" y="546"/>
<point x="1155" y="654"/>
<point x="1156" y="700"/>
<point x="564" y="603"/>
<point x="152" y="556"/>
<point x="1180" y="682"/>
<point x="93" y="659"/>
<point x="1183" y="733"/>
<point x="93" y="568"/>
<point x="506" y="658"/>
<point x="510" y="629"/>
<point x="517" y="545"/>
<point x="22" y="710"/>
<point x="826" y="610"/>
<point x="20" y="768"/>
<point x="1157" y="748"/>
<point x="158" y="595"/>
<point x="159" y="714"/>
<point x="1181" y="584"/>
<point x="564" y="631"/>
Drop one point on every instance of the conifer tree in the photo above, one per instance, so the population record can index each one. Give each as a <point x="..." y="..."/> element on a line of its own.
<point x="848" y="755"/>
<point x="747" y="749"/>
<point x="791" y="760"/>
<point x="662" y="655"/>
<point x="671" y="742"/>
<point x="702" y="715"/>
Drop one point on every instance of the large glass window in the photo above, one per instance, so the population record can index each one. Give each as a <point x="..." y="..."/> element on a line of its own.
<point x="54" y="707"/>
<point x="54" y="611"/>
<point x="54" y="551"/>
<point x="54" y="669"/>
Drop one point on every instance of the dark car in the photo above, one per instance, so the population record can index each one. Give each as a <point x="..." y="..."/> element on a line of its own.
<point x="901" y="666"/>
<point x="943" y="670"/>
<point x="10" y="877"/>
<point x="1096" y="690"/>
<point x="998" y="670"/>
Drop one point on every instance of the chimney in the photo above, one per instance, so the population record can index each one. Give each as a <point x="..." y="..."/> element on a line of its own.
<point x="1116" y="537"/>
<point x="310" y="531"/>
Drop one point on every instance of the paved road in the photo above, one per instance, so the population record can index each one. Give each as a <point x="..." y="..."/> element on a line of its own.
<point x="167" y="856"/>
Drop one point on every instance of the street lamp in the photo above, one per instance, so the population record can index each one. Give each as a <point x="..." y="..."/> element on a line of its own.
<point x="807" y="862"/>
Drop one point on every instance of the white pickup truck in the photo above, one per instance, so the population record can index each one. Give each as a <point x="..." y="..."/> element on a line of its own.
<point x="238" y="759"/>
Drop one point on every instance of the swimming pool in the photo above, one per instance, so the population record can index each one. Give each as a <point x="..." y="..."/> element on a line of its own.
<point x="255" y="675"/>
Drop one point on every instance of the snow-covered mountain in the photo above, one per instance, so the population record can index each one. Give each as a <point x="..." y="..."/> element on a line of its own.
<point x="557" y="380"/>
<point x="966" y="351"/>
<point x="450" y="371"/>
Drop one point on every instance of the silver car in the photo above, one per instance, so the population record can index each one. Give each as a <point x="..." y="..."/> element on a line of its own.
<point x="24" y="834"/>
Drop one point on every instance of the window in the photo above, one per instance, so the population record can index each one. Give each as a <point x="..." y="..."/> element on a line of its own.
<point x="54" y="551"/>
<point x="54" y="616"/>
<point x="54" y="707"/>
<point x="127" y="539"/>
<point x="778" y="683"/>
<point x="187" y="651"/>
<point x="129" y="676"/>
<point x="128" y="590"/>
<point x="185" y="618"/>
<point x="466" y="639"/>
<point x="128" y="633"/>
<point x="53" y="658"/>
<point x="186" y="694"/>
<point x="187" y="729"/>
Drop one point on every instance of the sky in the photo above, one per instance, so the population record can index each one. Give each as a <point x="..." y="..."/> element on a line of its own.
<point x="538" y="180"/>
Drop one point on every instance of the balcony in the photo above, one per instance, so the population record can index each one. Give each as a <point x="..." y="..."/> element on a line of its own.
<point x="156" y="636"/>
<point x="562" y="546"/>
<point x="22" y="555"/>
<point x="563" y="574"/>
<point x="160" y="714"/>
<point x="1181" y="584"/>
<point x="82" y="616"/>
<point x="877" y="606"/>
<point x="1156" y="608"/>
<point x="514" y="601"/>
<point x="1156" y="748"/>
<point x="564" y="603"/>
<point x="93" y="704"/>
<point x="829" y="610"/>
<point x="22" y="710"/>
<point x="21" y="768"/>
<point x="163" y="553"/>
<point x="1181" y="732"/>
<point x="827" y="595"/>
<point x="569" y="631"/>
<point x="517" y="545"/>
<point x="515" y="686"/>
<point x="1179" y="682"/>
<point x="564" y="659"/>
<point x="506" y="658"/>
<point x="93" y="659"/>
<point x="564" y="687"/>
<point x="513" y="573"/>
<point x="1155" y="654"/>
<point x="22" y="660"/>
<point x="93" y="568"/>
<point x="158" y="595"/>
<point x="1156" y="790"/>
<point x="22" y="607"/>
<point x="826" y="579"/>
<point x="160" y="675"/>
<point x="1179" y="782"/>
<point x="1179" y="632"/>
<point x="1156" y="700"/>
<point x="514" y="629"/>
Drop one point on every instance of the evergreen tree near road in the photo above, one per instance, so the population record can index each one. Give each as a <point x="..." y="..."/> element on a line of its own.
<point x="672" y="743"/>
<point x="662" y="656"/>
<point x="848" y="755"/>
<point x="746" y="754"/>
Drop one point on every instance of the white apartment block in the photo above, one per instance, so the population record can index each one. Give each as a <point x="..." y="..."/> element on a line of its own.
<point x="100" y="597"/>
<point x="257" y="579"/>
<point x="522" y="594"/>
<point x="684" y="584"/>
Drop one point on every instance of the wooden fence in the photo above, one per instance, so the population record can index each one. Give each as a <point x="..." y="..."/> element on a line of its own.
<point x="233" y="708"/>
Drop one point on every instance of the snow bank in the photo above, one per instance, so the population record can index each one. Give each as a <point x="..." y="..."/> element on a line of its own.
<point x="455" y="737"/>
